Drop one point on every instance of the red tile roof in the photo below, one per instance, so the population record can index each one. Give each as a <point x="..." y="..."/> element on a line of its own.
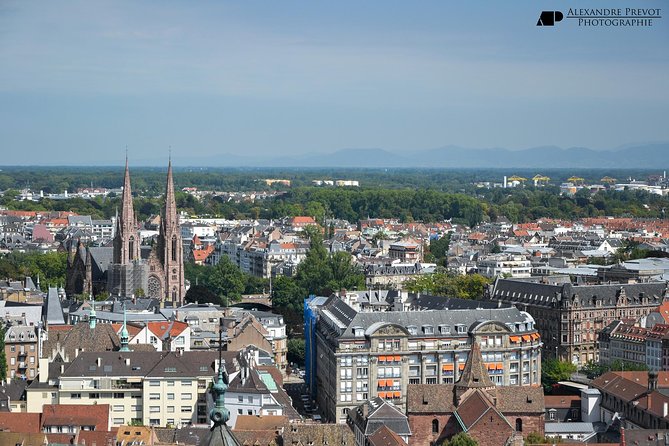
<point x="303" y="220"/>
<point x="562" y="401"/>
<point x="76" y="415"/>
<point x="160" y="328"/>
<point x="20" y="422"/>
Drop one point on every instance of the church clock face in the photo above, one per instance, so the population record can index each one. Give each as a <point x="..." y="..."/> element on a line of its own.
<point x="154" y="287"/>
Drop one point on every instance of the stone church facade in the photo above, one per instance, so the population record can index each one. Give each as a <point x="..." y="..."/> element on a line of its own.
<point x="127" y="267"/>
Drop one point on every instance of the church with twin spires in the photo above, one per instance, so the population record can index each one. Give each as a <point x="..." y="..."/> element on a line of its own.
<point x="127" y="266"/>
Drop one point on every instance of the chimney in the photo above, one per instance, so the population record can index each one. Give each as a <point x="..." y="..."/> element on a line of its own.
<point x="99" y="362"/>
<point x="365" y="410"/>
<point x="127" y="362"/>
<point x="665" y="410"/>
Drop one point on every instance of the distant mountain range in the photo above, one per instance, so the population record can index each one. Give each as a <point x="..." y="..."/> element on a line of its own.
<point x="654" y="155"/>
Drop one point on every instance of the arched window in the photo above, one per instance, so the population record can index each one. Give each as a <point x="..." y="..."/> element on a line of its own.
<point x="435" y="426"/>
<point x="131" y="246"/>
<point x="174" y="248"/>
<point x="519" y="425"/>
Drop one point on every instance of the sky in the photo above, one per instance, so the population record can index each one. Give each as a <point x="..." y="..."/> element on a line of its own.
<point x="82" y="80"/>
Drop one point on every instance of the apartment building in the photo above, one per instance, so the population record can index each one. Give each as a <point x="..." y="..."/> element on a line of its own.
<point x="504" y="265"/>
<point x="152" y="388"/>
<point x="355" y="356"/>
<point x="21" y="351"/>
<point x="570" y="317"/>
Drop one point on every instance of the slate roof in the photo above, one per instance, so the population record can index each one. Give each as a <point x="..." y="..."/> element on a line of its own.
<point x="53" y="311"/>
<point x="347" y="318"/>
<point x="149" y="364"/>
<point x="525" y="291"/>
<point x="379" y="413"/>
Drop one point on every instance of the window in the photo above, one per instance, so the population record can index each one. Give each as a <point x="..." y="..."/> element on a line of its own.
<point x="551" y="415"/>
<point x="154" y="396"/>
<point x="94" y="396"/>
<point x="170" y="383"/>
<point x="119" y="421"/>
<point x="12" y="361"/>
<point x="154" y="383"/>
<point x="240" y="412"/>
<point x="185" y="409"/>
<point x="118" y="408"/>
<point x="186" y="382"/>
<point x="519" y="425"/>
<point x="170" y="409"/>
<point x="154" y="409"/>
<point x="75" y="396"/>
<point x="250" y="399"/>
<point x="154" y="421"/>
<point x="119" y="395"/>
<point x="435" y="426"/>
<point x="240" y="399"/>
<point x="186" y="396"/>
<point x="170" y="396"/>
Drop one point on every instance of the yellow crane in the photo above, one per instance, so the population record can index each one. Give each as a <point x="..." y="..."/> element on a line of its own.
<point x="540" y="179"/>
<point x="517" y="178"/>
<point x="608" y="180"/>
<point x="575" y="180"/>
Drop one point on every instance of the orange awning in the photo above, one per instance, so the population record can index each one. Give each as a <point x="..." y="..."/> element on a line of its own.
<point x="398" y="358"/>
<point x="389" y="383"/>
<point x="382" y="394"/>
<point x="382" y="383"/>
<point x="461" y="367"/>
<point x="500" y="366"/>
<point x="382" y="358"/>
<point x="514" y="338"/>
<point x="397" y="394"/>
<point x="527" y="338"/>
<point x="447" y="367"/>
<point x="491" y="366"/>
<point x="535" y="335"/>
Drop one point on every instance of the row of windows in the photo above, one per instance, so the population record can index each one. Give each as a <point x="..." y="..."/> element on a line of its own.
<point x="184" y="382"/>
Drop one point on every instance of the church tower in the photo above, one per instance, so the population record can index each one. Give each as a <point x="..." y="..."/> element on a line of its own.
<point x="126" y="241"/>
<point x="170" y="247"/>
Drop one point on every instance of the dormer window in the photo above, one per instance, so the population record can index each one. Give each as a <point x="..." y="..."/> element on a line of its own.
<point x="444" y="329"/>
<point x="358" y="331"/>
<point x="412" y="329"/>
<point x="428" y="329"/>
<point x="461" y="328"/>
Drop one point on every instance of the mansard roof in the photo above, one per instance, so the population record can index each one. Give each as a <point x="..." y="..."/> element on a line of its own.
<point x="347" y="319"/>
<point x="530" y="292"/>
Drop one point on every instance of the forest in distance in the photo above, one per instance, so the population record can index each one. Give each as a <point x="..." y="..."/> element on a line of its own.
<point x="426" y="195"/>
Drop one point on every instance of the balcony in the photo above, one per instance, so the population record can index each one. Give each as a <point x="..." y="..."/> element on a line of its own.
<point x="22" y="365"/>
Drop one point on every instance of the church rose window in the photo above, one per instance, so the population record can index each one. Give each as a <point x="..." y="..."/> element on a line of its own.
<point x="154" y="287"/>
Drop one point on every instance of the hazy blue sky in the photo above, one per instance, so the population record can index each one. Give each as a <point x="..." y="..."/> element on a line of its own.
<point x="80" y="80"/>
